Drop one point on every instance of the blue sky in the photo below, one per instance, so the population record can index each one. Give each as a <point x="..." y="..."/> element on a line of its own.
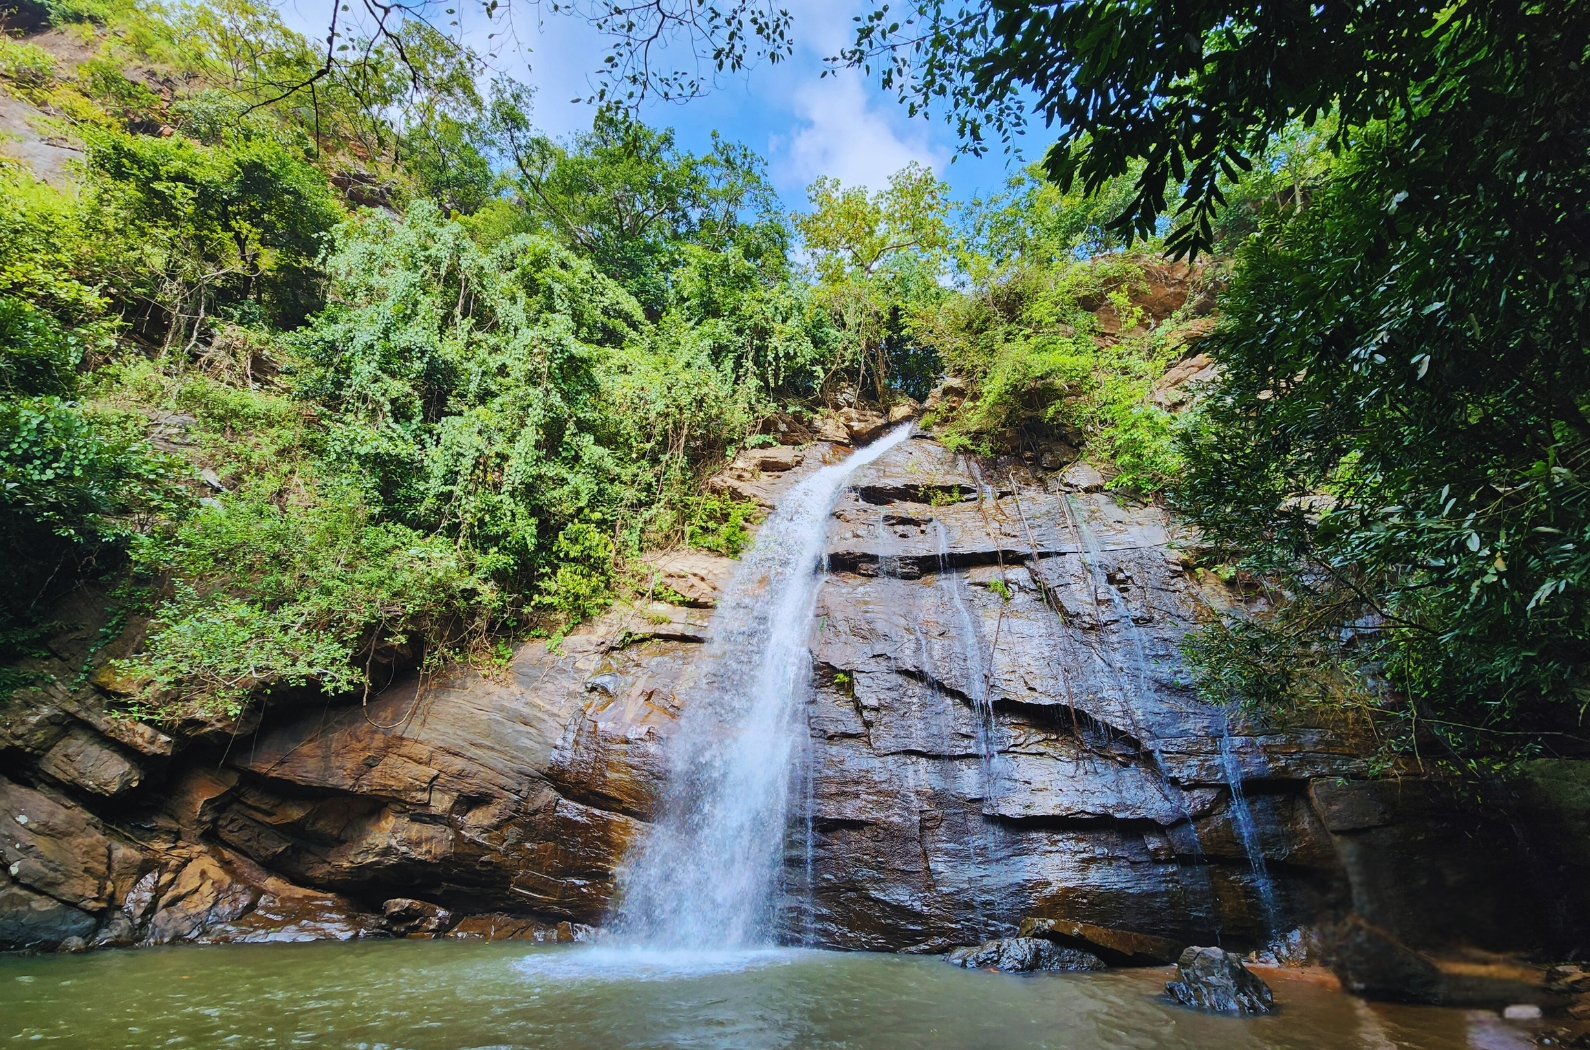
<point x="805" y="124"/>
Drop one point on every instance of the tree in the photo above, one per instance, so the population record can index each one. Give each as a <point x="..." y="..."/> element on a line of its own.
<point x="214" y="228"/>
<point x="628" y="198"/>
<point x="1403" y="421"/>
<point x="874" y="254"/>
<point x="1195" y="91"/>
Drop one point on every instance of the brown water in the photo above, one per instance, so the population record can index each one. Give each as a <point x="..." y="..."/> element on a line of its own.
<point x="437" y="995"/>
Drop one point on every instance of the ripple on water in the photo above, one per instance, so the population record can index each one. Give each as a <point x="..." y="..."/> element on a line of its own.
<point x="636" y="963"/>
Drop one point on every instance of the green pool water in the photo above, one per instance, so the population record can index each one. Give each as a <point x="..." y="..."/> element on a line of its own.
<point x="438" y="995"/>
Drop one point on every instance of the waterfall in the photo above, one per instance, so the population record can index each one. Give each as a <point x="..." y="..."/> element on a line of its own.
<point x="707" y="873"/>
<point x="1247" y="829"/>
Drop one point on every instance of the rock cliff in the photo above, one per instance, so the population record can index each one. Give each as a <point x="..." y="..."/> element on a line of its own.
<point x="1000" y="728"/>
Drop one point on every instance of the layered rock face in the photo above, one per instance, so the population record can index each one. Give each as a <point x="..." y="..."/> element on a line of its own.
<point x="999" y="729"/>
<point x="1001" y="726"/>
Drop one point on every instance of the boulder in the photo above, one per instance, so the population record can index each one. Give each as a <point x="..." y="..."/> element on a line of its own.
<point x="1179" y="387"/>
<point x="405" y="915"/>
<point x="57" y="848"/>
<point x="695" y="576"/>
<point x="501" y="927"/>
<point x="1348" y="806"/>
<point x="1082" y="477"/>
<point x="862" y="424"/>
<point x="947" y="395"/>
<point x="1215" y="979"/>
<point x="1023" y="955"/>
<point x="1115" y="947"/>
<point x="831" y="429"/>
<point x="773" y="460"/>
<point x="903" y="410"/>
<point x="205" y="897"/>
<point x="761" y="475"/>
<point x="1056" y="456"/>
<point x="1372" y="963"/>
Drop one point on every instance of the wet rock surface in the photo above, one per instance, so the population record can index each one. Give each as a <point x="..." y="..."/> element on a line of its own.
<point x="1023" y="955"/>
<point x="1214" y="979"/>
<point x="999" y="728"/>
<point x="1115" y="947"/>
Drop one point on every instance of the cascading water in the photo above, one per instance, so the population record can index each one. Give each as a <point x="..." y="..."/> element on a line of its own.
<point x="1247" y="829"/>
<point x="1091" y="553"/>
<point x="705" y="877"/>
<point x="972" y="652"/>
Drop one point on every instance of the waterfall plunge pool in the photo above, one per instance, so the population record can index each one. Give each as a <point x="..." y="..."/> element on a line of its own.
<point x="441" y="995"/>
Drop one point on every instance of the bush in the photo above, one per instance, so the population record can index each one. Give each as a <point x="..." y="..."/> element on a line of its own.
<point x="293" y="584"/>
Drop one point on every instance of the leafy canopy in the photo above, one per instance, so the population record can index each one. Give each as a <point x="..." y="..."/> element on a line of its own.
<point x="1191" y="91"/>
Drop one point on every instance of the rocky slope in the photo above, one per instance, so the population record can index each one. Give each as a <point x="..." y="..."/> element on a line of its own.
<point x="1000" y="728"/>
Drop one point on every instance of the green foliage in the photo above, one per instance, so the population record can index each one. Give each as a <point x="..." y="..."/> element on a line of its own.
<point x="770" y="333"/>
<point x="1034" y="221"/>
<point x="1193" y="92"/>
<point x="46" y="253"/>
<point x="1404" y="424"/>
<point x="719" y="523"/>
<point x="27" y="66"/>
<point x="289" y="583"/>
<point x="1041" y="365"/>
<point x="466" y="385"/>
<point x="77" y="481"/>
<point x="201" y="231"/>
<point x="581" y="586"/>
<point x="851" y="233"/>
<point x="627" y="198"/>
<point x="878" y="259"/>
<point x="78" y="474"/>
<point x="39" y="358"/>
<point x="130" y="103"/>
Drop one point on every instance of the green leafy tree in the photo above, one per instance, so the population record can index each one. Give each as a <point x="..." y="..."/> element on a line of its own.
<point x="1195" y="92"/>
<point x="626" y="197"/>
<point x="194" y="232"/>
<point x="877" y="256"/>
<point x="1399" y="431"/>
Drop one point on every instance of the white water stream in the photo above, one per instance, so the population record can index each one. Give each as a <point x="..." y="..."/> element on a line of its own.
<point x="707" y="875"/>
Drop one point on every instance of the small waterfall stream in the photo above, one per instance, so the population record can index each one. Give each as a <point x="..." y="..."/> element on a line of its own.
<point x="1247" y="827"/>
<point x="706" y="876"/>
<point x="971" y="647"/>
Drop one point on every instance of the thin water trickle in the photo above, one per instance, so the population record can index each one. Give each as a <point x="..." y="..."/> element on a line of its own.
<point x="705" y="876"/>
<point x="972" y="652"/>
<point x="1090" y="552"/>
<point x="1247" y="829"/>
<point x="971" y="648"/>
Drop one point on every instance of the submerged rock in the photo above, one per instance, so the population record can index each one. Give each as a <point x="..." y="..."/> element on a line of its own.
<point x="1023" y="955"/>
<point x="1215" y="979"/>
<point x="1371" y="962"/>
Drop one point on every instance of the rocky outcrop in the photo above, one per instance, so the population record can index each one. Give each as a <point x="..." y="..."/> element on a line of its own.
<point x="1115" y="947"/>
<point x="1023" y="955"/>
<point x="1214" y="979"/>
<point x="999" y="729"/>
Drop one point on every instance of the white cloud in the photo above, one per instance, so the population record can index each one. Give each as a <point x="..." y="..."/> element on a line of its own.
<point x="840" y="132"/>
